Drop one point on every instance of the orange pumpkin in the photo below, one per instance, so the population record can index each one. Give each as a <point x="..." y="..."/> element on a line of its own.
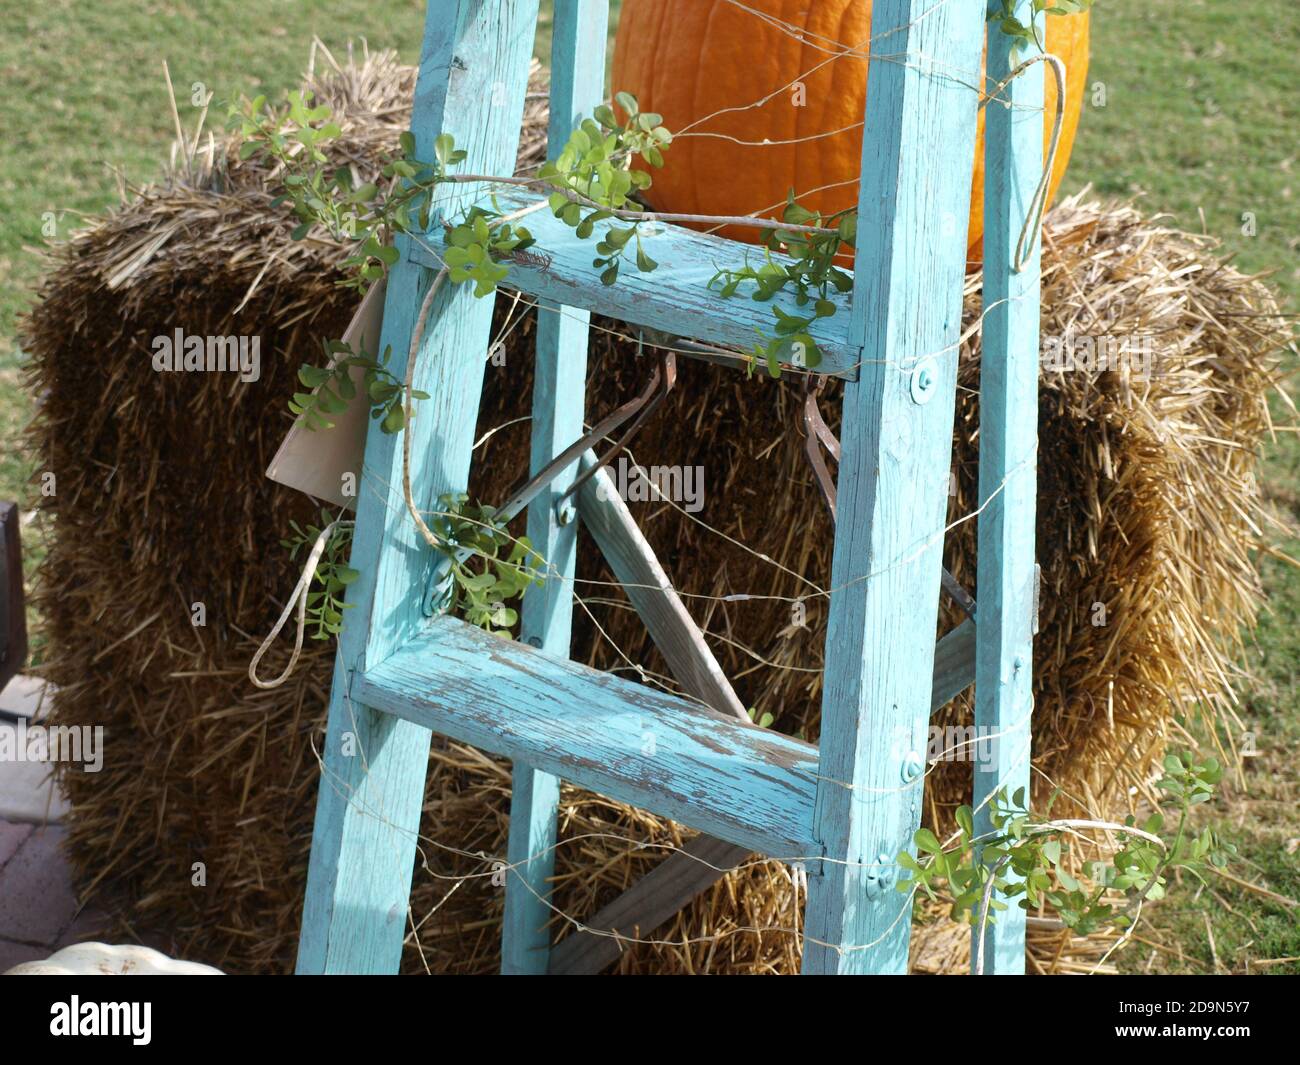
<point x="703" y="63"/>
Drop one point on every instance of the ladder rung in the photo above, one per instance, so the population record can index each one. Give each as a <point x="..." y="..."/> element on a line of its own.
<point x="746" y="785"/>
<point x="674" y="298"/>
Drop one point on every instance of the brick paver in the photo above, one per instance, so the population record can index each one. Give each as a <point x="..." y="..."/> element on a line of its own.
<point x="37" y="903"/>
<point x="12" y="954"/>
<point x="11" y="838"/>
<point x="89" y="926"/>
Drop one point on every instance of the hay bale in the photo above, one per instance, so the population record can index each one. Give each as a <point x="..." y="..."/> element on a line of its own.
<point x="1148" y="504"/>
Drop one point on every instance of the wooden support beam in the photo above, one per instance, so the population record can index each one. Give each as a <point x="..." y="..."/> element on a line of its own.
<point x="918" y="149"/>
<point x="472" y="81"/>
<point x="675" y="299"/>
<point x="682" y="876"/>
<point x="636" y="567"/>
<point x="1013" y="153"/>
<point x="578" y="43"/>
<point x="646" y="905"/>
<point x="637" y="744"/>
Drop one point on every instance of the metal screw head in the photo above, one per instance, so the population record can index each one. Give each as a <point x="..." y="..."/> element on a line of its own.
<point x="924" y="382"/>
<point x="913" y="766"/>
<point x="880" y="876"/>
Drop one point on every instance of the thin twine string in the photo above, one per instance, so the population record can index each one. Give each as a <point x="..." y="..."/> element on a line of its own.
<point x="301" y="599"/>
<point x="659" y="680"/>
<point x="497" y="867"/>
<point x="841" y="949"/>
<point x="903" y="365"/>
<point x="736" y="597"/>
<point x="300" y="592"/>
<point x="297" y="598"/>
<point x="730" y="598"/>
<point x="1033" y="223"/>
<point x="827" y="45"/>
<point x="933" y="66"/>
<point x="627" y="607"/>
<point x="839" y="50"/>
<point x="800" y="34"/>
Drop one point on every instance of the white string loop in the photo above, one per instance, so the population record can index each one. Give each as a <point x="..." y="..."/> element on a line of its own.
<point x="299" y="597"/>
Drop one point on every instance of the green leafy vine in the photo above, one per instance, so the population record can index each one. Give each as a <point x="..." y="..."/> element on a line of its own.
<point x="594" y="167"/>
<point x="810" y="271"/>
<point x="333" y="389"/>
<point x="592" y="180"/>
<point x="1025" y="856"/>
<point x="325" y="605"/>
<point x="496" y="570"/>
<point x="1024" y="36"/>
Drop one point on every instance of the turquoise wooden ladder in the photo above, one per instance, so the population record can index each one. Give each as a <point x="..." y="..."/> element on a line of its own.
<point x="845" y="809"/>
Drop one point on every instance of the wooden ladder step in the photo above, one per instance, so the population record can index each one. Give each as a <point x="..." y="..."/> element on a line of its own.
<point x="749" y="786"/>
<point x="683" y="875"/>
<point x="675" y="298"/>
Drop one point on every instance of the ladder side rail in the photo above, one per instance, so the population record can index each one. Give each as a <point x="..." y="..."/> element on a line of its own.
<point x="578" y="45"/>
<point x="472" y="81"/>
<point x="1013" y="152"/>
<point x="918" y="151"/>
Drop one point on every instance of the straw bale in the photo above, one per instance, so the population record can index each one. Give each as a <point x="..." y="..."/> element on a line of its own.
<point x="1148" y="504"/>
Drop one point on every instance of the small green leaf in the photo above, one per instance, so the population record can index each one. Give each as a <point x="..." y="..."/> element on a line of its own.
<point x="394" y="419"/>
<point x="313" y="376"/>
<point x="927" y="841"/>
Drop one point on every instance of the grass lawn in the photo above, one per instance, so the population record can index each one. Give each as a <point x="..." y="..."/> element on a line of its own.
<point x="1199" y="116"/>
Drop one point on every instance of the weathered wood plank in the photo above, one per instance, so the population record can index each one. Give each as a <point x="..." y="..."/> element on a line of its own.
<point x="752" y="787"/>
<point x="896" y="440"/>
<point x="674" y="299"/>
<point x="473" y="74"/>
<point x="954" y="665"/>
<point x="657" y="603"/>
<point x="1013" y="153"/>
<point x="530" y="853"/>
<point x="679" y="878"/>
<point x="559" y="386"/>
